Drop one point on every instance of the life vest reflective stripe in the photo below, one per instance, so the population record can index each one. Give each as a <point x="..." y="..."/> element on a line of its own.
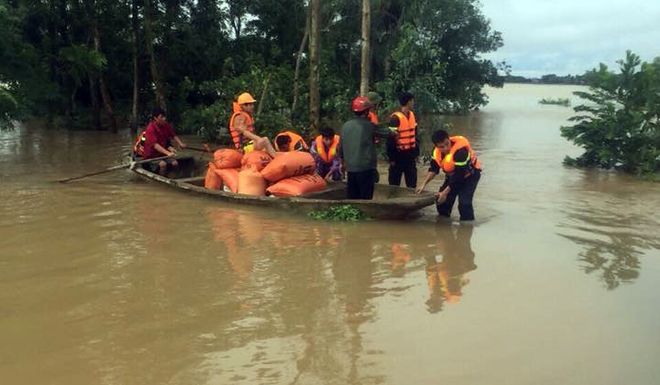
<point x="327" y="156"/>
<point x="236" y="136"/>
<point x="447" y="164"/>
<point x="138" y="147"/>
<point x="296" y="141"/>
<point x="407" y="130"/>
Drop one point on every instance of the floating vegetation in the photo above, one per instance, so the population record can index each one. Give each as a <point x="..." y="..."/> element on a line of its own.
<point x="342" y="213"/>
<point x="558" y="102"/>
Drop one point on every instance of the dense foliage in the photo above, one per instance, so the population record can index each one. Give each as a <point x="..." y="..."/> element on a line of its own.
<point x="101" y="64"/>
<point x="619" y="126"/>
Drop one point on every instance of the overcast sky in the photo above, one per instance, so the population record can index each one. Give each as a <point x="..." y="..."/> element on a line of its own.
<point x="572" y="36"/>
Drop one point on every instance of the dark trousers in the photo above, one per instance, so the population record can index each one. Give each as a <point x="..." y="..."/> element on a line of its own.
<point x="408" y="168"/>
<point x="464" y="194"/>
<point x="324" y="168"/>
<point x="361" y="184"/>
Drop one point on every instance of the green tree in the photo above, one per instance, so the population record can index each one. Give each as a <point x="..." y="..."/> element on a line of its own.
<point x="70" y="60"/>
<point x="442" y="44"/>
<point x="11" y="56"/>
<point x="618" y="127"/>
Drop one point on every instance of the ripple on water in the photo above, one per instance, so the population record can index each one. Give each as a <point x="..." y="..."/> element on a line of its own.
<point x="269" y="361"/>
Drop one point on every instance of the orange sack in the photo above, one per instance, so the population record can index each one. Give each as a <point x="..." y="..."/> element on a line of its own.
<point x="298" y="185"/>
<point x="212" y="180"/>
<point x="229" y="178"/>
<point x="227" y="158"/>
<point x="289" y="164"/>
<point x="256" y="159"/>
<point x="251" y="182"/>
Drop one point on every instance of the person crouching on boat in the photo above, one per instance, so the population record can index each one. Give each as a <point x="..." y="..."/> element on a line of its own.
<point x="241" y="127"/>
<point x="358" y="150"/>
<point x="455" y="157"/>
<point x="158" y="139"/>
<point x="290" y="141"/>
<point x="324" y="149"/>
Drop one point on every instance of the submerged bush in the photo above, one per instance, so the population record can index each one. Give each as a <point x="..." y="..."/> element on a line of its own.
<point x="619" y="127"/>
<point x="559" y="101"/>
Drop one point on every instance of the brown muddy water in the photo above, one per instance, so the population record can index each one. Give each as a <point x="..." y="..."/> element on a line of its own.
<point x="113" y="280"/>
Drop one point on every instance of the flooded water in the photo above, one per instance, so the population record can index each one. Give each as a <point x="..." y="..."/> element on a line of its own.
<point x="113" y="280"/>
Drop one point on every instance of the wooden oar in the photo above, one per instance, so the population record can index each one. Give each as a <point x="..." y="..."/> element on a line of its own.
<point x="113" y="168"/>
<point x="205" y="149"/>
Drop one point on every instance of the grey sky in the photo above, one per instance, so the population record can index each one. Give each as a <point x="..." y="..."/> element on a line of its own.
<point x="572" y="36"/>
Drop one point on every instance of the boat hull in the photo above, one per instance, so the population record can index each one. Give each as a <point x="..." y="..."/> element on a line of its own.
<point x="389" y="202"/>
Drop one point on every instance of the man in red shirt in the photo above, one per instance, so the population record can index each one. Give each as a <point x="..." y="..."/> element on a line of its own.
<point x="158" y="140"/>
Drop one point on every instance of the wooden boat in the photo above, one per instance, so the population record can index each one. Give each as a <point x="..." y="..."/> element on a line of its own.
<point x="389" y="202"/>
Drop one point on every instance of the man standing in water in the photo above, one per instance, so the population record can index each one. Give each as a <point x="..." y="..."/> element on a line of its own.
<point x="157" y="141"/>
<point x="358" y="151"/>
<point x="455" y="157"/>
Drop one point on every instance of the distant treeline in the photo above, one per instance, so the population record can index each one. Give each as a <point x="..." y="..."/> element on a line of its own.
<point x="547" y="79"/>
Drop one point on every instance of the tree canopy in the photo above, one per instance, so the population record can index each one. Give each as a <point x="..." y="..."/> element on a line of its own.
<point x="91" y="63"/>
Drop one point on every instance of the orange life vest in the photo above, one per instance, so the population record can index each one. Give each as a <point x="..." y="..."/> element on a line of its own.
<point x="296" y="140"/>
<point x="235" y="135"/>
<point x="138" y="147"/>
<point x="373" y="117"/>
<point x="407" y="130"/>
<point x="448" y="164"/>
<point x="327" y="156"/>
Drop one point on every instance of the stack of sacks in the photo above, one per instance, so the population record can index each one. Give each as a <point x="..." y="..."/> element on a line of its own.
<point x="223" y="169"/>
<point x="234" y="172"/>
<point x="292" y="174"/>
<point x="250" y="181"/>
<point x="256" y="159"/>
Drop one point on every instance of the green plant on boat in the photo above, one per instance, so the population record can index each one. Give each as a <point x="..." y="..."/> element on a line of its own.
<point x="338" y="213"/>
<point x="558" y="102"/>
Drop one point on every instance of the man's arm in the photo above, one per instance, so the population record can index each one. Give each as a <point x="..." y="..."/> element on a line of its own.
<point x="340" y="155"/>
<point x="163" y="150"/>
<point x="390" y="145"/>
<point x="179" y="142"/>
<point x="242" y="127"/>
<point x="433" y="171"/>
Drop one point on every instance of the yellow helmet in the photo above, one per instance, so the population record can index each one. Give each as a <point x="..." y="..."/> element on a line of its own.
<point x="245" y="98"/>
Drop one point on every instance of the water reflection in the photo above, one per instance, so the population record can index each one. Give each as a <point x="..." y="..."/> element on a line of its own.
<point x="614" y="229"/>
<point x="305" y="289"/>
<point x="612" y="248"/>
<point x="447" y="278"/>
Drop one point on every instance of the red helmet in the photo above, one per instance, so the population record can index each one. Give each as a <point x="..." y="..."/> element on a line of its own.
<point x="360" y="104"/>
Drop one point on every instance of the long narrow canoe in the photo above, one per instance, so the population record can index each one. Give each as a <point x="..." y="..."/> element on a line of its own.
<point x="389" y="202"/>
